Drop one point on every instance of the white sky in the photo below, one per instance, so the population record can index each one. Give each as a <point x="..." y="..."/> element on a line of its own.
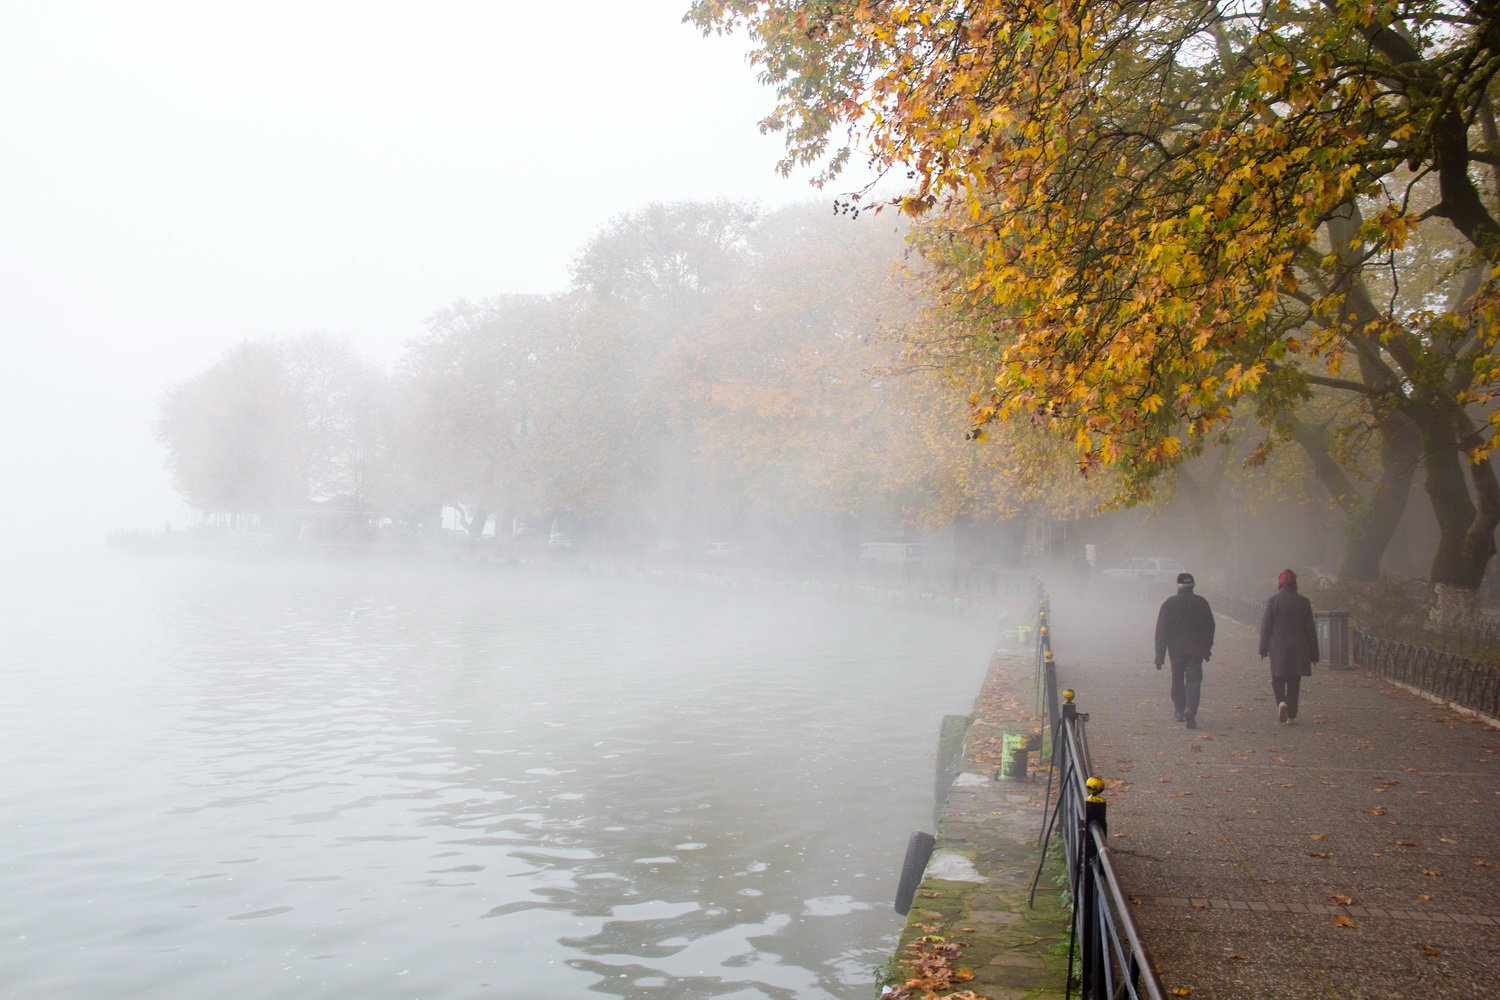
<point x="181" y="176"/>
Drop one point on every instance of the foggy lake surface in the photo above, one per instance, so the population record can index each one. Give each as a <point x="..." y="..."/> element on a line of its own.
<point x="285" y="778"/>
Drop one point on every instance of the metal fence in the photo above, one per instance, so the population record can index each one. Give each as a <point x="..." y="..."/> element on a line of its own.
<point x="1454" y="678"/>
<point x="1113" y="960"/>
<point x="1444" y="674"/>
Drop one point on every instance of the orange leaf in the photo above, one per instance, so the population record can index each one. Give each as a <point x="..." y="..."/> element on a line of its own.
<point x="1341" y="921"/>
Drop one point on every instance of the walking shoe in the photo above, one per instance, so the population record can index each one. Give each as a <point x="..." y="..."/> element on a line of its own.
<point x="1281" y="712"/>
<point x="1176" y="716"/>
<point x="1192" y="722"/>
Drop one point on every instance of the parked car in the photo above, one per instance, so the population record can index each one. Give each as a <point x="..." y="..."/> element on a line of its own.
<point x="893" y="553"/>
<point x="1146" y="569"/>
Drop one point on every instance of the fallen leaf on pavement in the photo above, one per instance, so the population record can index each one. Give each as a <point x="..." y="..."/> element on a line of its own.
<point x="1430" y="950"/>
<point x="1340" y="899"/>
<point x="1341" y="921"/>
<point x="1433" y="872"/>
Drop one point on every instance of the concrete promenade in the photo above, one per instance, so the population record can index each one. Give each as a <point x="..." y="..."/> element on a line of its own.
<point x="1354" y="853"/>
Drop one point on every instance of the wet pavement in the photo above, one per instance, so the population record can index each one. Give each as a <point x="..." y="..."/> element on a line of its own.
<point x="1352" y="853"/>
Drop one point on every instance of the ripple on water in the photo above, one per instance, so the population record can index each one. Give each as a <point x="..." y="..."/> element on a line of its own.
<point x="396" y="786"/>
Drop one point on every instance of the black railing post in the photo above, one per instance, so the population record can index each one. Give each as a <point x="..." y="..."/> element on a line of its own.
<point x="1049" y="694"/>
<point x="1043" y="649"/>
<point x="1094" y="974"/>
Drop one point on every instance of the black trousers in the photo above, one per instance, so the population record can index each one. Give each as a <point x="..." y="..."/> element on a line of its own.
<point x="1187" y="683"/>
<point x="1285" y="689"/>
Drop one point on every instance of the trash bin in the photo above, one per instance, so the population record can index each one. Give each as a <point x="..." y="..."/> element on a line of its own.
<point x="1013" y="755"/>
<point x="1333" y="638"/>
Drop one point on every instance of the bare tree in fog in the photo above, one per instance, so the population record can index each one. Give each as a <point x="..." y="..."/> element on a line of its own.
<point x="274" y="425"/>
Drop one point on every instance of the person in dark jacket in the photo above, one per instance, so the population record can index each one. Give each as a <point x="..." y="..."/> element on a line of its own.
<point x="1185" y="632"/>
<point x="1289" y="636"/>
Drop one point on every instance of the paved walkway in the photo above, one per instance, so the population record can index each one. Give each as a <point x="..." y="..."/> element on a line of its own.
<point x="1353" y="853"/>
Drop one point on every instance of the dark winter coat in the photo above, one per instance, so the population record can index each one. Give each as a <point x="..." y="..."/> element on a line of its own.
<point x="1288" y="634"/>
<point x="1184" y="626"/>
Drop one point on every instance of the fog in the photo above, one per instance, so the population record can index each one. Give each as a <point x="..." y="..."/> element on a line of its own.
<point x="182" y="178"/>
<point x="529" y="437"/>
<point x="185" y="179"/>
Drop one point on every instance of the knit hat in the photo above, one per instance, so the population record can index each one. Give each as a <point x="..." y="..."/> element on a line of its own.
<point x="1184" y="579"/>
<point x="1286" y="577"/>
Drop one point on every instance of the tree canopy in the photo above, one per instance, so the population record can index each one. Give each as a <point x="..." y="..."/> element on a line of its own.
<point x="713" y="368"/>
<point x="1145" y="213"/>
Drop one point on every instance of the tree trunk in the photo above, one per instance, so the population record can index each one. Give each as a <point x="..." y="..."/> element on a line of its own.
<point x="1373" y="514"/>
<point x="1374" y="523"/>
<point x="1202" y="496"/>
<point x="1466" y="521"/>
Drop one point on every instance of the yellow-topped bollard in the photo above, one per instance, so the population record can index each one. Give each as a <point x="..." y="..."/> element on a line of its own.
<point x="1069" y="695"/>
<point x="1095" y="786"/>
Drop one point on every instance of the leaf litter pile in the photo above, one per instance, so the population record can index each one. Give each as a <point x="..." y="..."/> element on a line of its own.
<point x="932" y="962"/>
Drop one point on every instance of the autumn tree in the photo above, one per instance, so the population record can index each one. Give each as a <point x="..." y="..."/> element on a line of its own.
<point x="784" y="381"/>
<point x="646" y="283"/>
<point x="470" y="390"/>
<point x="1168" y="207"/>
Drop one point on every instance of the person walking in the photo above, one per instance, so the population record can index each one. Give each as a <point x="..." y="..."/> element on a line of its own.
<point x="1185" y="633"/>
<point x="1289" y="636"/>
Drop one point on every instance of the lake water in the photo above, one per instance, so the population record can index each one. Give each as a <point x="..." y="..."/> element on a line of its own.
<point x="293" y="779"/>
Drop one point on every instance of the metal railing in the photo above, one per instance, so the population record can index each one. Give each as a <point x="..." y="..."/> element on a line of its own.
<point x="1113" y="960"/>
<point x="1457" y="679"/>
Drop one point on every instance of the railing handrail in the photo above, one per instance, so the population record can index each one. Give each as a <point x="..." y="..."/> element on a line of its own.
<point x="1116" y="963"/>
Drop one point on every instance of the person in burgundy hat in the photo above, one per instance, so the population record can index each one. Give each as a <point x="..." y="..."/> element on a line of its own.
<point x="1289" y="636"/>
